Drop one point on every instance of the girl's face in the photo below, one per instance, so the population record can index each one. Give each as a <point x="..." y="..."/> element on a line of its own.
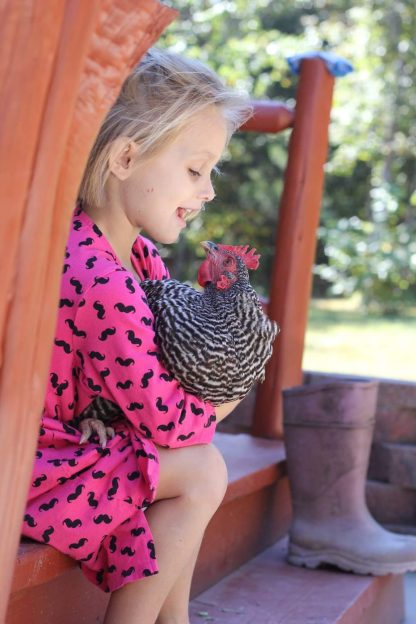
<point x="159" y="193"/>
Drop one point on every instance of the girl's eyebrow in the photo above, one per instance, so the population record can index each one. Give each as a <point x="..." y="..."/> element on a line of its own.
<point x="205" y="153"/>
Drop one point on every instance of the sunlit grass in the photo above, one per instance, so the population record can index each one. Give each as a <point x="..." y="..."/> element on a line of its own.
<point x="342" y="339"/>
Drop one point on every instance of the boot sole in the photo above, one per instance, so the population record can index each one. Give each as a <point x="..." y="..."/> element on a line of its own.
<point x="307" y="558"/>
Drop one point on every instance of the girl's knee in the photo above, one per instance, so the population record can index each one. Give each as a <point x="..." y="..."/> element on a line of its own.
<point x="198" y="472"/>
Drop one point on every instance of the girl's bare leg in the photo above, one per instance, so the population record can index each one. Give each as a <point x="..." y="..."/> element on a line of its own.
<point x="192" y="484"/>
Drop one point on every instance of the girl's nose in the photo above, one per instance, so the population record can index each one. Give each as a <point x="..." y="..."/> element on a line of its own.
<point x="207" y="193"/>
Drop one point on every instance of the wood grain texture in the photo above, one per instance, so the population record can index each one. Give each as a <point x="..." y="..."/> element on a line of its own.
<point x="62" y="65"/>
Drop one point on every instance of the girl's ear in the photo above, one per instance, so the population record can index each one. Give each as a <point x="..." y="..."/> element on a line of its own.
<point x="122" y="157"/>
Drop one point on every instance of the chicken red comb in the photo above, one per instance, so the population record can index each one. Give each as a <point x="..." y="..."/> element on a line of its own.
<point x="250" y="258"/>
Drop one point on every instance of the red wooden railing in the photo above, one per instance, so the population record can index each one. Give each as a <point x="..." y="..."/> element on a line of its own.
<point x="296" y="232"/>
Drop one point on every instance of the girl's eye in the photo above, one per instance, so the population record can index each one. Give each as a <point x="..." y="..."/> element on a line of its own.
<point x="194" y="173"/>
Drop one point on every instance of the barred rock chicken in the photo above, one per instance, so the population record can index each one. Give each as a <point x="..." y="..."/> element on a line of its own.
<point x="216" y="342"/>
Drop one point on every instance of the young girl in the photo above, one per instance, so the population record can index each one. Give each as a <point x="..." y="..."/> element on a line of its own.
<point x="134" y="513"/>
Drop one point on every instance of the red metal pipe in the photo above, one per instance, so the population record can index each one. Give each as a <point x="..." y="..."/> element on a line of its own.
<point x="296" y="242"/>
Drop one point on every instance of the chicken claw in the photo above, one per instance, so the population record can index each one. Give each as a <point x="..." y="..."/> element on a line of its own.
<point x="89" y="426"/>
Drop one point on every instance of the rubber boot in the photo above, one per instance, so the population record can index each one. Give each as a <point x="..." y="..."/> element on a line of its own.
<point x="328" y="434"/>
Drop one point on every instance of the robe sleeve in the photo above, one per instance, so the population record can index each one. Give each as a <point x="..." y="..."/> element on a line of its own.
<point x="118" y="359"/>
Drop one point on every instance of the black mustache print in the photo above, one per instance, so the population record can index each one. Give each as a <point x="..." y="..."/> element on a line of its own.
<point x="126" y="309"/>
<point x="65" y="345"/>
<point x="99" y="577"/>
<point x="87" y="558"/>
<point x="155" y="354"/>
<point x="128" y="500"/>
<point x="147" y="572"/>
<point x="128" y="551"/>
<point x="59" y="388"/>
<point x="47" y="506"/>
<point x="145" y="379"/>
<point x="145" y="251"/>
<point x="77" y="332"/>
<point x="132" y="476"/>
<point x="98" y="474"/>
<point x="103" y="518"/>
<point x="131" y="337"/>
<point x="72" y="462"/>
<point x="135" y="405"/>
<point x="92" y="386"/>
<point x="167" y="427"/>
<point x="72" y="524"/>
<point x="103" y="451"/>
<point x="114" y="487"/>
<point x="112" y="545"/>
<point x="137" y="532"/>
<point x="55" y="462"/>
<point x="97" y="305"/>
<point x="81" y="303"/>
<point x="90" y="262"/>
<point x="180" y="404"/>
<point x="92" y="502"/>
<point x="146" y="321"/>
<point x="65" y="268"/>
<point x="62" y="480"/>
<point x="79" y="544"/>
<point x="110" y="331"/>
<point x="69" y="429"/>
<point x="166" y="376"/>
<point x="196" y="410"/>
<point x="182" y="416"/>
<point x="67" y="254"/>
<point x="145" y="430"/>
<point x="30" y="520"/>
<point x="209" y="422"/>
<point x="97" y="230"/>
<point x="111" y="569"/>
<point x="129" y="285"/>
<point x="96" y="355"/>
<point x="81" y="356"/>
<point x="151" y="548"/>
<point x="86" y="243"/>
<point x="39" y="454"/>
<point x="80" y="451"/>
<point x="104" y="373"/>
<point x="124" y="385"/>
<point x="47" y="533"/>
<point x="76" y="284"/>
<point x="182" y="437"/>
<point x="100" y="280"/>
<point x="66" y="302"/>
<point x="123" y="448"/>
<point x="76" y="493"/>
<point x="77" y="225"/>
<point x="128" y="572"/>
<point x="160" y="406"/>
<point x="124" y="362"/>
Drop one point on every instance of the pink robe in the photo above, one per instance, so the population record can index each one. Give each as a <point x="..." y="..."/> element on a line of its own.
<point x="85" y="501"/>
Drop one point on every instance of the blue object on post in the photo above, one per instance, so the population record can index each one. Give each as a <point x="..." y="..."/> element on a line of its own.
<point x="336" y="65"/>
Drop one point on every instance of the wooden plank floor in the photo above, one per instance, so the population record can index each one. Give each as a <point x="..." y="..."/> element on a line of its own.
<point x="267" y="590"/>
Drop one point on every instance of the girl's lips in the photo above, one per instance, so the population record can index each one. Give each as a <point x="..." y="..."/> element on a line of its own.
<point x="181" y="214"/>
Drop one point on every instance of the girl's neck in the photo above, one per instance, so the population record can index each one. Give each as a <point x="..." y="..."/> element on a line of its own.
<point x="117" y="230"/>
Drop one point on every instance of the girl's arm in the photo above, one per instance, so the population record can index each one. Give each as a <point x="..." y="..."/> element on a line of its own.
<point x="119" y="360"/>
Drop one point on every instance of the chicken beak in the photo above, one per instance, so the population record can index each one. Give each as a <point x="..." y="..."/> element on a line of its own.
<point x="209" y="247"/>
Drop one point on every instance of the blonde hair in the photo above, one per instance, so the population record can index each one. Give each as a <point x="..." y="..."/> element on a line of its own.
<point x="156" y="100"/>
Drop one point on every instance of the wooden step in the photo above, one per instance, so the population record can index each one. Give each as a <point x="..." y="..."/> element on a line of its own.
<point x="269" y="591"/>
<point x="49" y="588"/>
<point x="395" y="463"/>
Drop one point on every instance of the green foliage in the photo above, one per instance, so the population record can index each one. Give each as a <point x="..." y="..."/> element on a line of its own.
<point x="368" y="220"/>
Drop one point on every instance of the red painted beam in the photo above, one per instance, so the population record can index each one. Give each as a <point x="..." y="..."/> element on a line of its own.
<point x="270" y="117"/>
<point x="296" y="242"/>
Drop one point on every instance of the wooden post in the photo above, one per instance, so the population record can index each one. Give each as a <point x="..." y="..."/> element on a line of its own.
<point x="296" y="242"/>
<point x="62" y="65"/>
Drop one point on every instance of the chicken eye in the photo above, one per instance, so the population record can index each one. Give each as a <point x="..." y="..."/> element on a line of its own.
<point x="228" y="262"/>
